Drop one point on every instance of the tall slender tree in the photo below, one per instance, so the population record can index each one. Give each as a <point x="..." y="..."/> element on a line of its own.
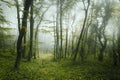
<point x="31" y="32"/>
<point x="61" y="26"/>
<point x="83" y="27"/>
<point x="57" y="29"/>
<point x="37" y="28"/>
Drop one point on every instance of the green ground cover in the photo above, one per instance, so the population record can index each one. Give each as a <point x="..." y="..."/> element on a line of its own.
<point x="45" y="68"/>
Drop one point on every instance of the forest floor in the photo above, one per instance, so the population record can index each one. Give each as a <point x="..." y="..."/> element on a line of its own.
<point x="46" y="68"/>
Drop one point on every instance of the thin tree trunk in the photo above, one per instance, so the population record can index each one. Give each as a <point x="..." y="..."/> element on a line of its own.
<point x="101" y="54"/>
<point x="57" y="31"/>
<point x="31" y="32"/>
<point x="54" y="45"/>
<point x="118" y="49"/>
<point x="95" y="45"/>
<point x="115" y="57"/>
<point x="66" y="49"/>
<point x="80" y="37"/>
<point x="61" y="42"/>
<point x="36" y="31"/>
<point x="54" y="29"/>
<point x="24" y="46"/>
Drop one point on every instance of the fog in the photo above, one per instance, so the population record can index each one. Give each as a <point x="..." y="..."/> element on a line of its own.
<point x="47" y="39"/>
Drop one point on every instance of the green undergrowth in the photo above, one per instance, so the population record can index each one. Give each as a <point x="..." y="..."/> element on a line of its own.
<point x="45" y="68"/>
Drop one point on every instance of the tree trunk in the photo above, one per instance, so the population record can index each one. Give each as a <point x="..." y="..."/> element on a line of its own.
<point x="24" y="47"/>
<point x="66" y="49"/>
<point x="115" y="57"/>
<point x="114" y="52"/>
<point x="61" y="42"/>
<point x="81" y="34"/>
<point x="54" y="29"/>
<point x="118" y="49"/>
<point x="31" y="32"/>
<point x="100" y="57"/>
<point x="22" y="32"/>
<point x="57" y="31"/>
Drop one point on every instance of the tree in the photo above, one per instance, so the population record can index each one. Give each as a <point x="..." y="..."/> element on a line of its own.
<point x="22" y="33"/>
<point x="31" y="32"/>
<point x="38" y="25"/>
<point x="67" y="27"/>
<point x="57" y="29"/>
<point x="61" y="27"/>
<point x="18" y="14"/>
<point x="101" y="30"/>
<point x="114" y="51"/>
<point x="81" y="34"/>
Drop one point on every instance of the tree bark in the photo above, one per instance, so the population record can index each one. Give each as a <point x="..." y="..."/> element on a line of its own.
<point x="22" y="33"/>
<point x="31" y="32"/>
<point x="61" y="42"/>
<point x="80" y="37"/>
<point x="66" y="48"/>
<point x="57" y="31"/>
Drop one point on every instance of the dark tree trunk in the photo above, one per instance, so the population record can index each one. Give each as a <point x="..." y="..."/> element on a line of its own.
<point x="54" y="45"/>
<point x="31" y="32"/>
<point x="103" y="45"/>
<point x="115" y="57"/>
<point x="57" y="31"/>
<point x="81" y="34"/>
<point x="22" y="32"/>
<point x="95" y="46"/>
<point x="61" y="42"/>
<point x="24" y="47"/>
<point x="118" y="49"/>
<point x="82" y="53"/>
<point x="119" y="57"/>
<point x="100" y="57"/>
<point x="114" y="52"/>
<point x="54" y="29"/>
<point x="66" y="49"/>
<point x="72" y="36"/>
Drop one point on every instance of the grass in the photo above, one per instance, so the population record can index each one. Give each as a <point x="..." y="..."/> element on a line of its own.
<point x="45" y="68"/>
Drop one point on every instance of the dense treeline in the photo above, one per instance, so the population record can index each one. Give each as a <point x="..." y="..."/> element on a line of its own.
<point x="91" y="33"/>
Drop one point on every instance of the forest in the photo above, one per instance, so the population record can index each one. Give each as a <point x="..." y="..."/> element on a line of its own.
<point x="59" y="39"/>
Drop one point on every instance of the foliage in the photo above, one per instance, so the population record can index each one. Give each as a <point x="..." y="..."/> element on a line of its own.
<point x="92" y="41"/>
<point x="5" y="37"/>
<point x="2" y="17"/>
<point x="47" y="69"/>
